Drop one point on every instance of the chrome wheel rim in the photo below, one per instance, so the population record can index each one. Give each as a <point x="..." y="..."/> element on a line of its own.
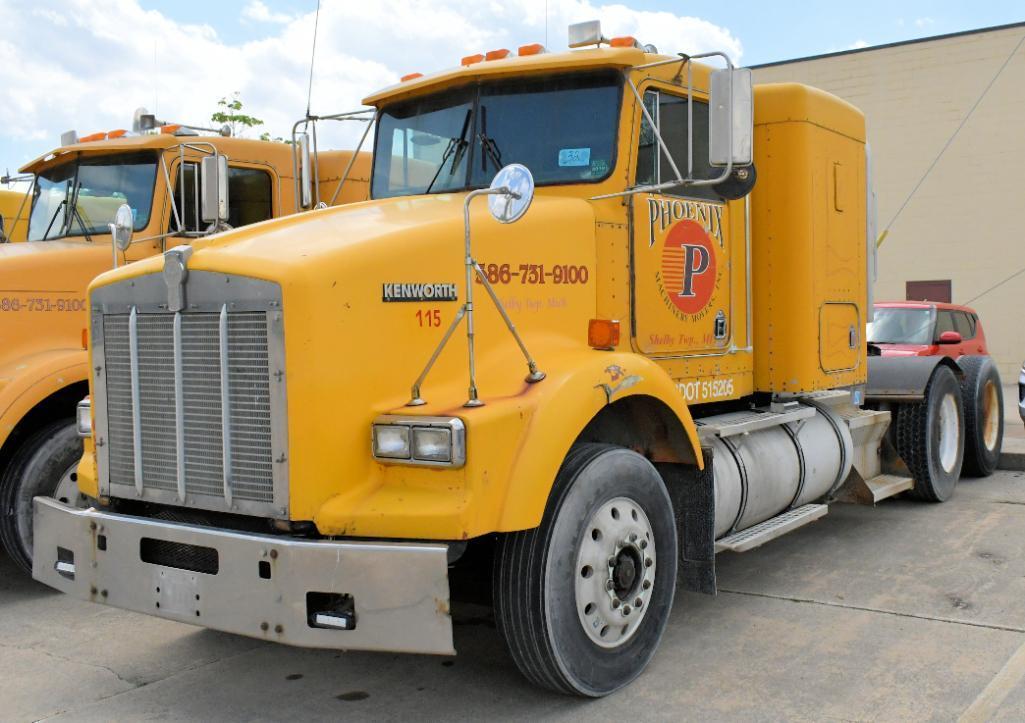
<point x="990" y="416"/>
<point x="615" y="572"/>
<point x="950" y="429"/>
<point x="67" y="488"/>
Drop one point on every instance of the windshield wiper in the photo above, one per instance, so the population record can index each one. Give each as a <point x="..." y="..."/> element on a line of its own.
<point x="54" y="218"/>
<point x="488" y="145"/>
<point x="456" y="148"/>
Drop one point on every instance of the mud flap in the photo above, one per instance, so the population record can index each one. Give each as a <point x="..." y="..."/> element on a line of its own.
<point x="692" y="492"/>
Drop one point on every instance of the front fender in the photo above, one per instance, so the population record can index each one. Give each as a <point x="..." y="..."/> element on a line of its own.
<point x="27" y="381"/>
<point x="576" y="395"/>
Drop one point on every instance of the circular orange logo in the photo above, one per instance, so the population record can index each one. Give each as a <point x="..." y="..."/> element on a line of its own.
<point x="688" y="266"/>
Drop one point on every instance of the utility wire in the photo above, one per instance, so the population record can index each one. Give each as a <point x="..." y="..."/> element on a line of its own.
<point x="313" y="55"/>
<point x="950" y="140"/>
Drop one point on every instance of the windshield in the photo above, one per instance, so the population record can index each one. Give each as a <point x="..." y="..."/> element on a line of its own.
<point x="893" y="325"/>
<point x="563" y="128"/>
<point x="95" y="187"/>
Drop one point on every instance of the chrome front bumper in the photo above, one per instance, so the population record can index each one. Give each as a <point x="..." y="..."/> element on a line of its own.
<point x="390" y="596"/>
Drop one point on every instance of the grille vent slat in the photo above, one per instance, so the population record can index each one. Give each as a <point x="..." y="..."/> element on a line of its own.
<point x="202" y="415"/>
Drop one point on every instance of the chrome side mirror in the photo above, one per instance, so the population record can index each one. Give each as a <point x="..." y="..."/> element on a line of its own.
<point x="512" y="190"/>
<point x="121" y="229"/>
<point x="731" y="118"/>
<point x="305" y="177"/>
<point x="214" y="184"/>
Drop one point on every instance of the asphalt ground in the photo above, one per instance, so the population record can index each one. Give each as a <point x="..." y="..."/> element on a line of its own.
<point x="906" y="611"/>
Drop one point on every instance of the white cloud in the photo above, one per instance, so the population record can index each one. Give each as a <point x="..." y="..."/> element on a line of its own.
<point x="922" y="23"/>
<point x="857" y="45"/>
<point x="96" y="71"/>
<point x="259" y="12"/>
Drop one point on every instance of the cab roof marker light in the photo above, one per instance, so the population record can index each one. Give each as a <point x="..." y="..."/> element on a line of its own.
<point x="471" y="59"/>
<point x="498" y="54"/>
<point x="625" y="41"/>
<point x="170" y="128"/>
<point x="410" y="76"/>
<point x="532" y="49"/>
<point x="92" y="137"/>
<point x="119" y="133"/>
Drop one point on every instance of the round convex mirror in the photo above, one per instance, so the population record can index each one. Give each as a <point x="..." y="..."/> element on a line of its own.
<point x="508" y="208"/>
<point x="124" y="221"/>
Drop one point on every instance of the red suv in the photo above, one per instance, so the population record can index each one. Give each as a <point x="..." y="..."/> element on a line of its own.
<point x="927" y="328"/>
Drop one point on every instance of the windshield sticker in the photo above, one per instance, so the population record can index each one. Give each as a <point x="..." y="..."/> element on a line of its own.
<point x="599" y="168"/>
<point x="572" y="157"/>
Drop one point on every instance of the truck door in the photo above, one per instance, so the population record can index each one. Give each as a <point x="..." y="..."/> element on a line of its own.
<point x="681" y="248"/>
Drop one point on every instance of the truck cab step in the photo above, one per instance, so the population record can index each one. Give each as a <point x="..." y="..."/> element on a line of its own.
<point x="771" y="529"/>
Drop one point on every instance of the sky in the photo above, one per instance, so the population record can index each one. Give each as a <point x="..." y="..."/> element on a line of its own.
<point x="88" y="64"/>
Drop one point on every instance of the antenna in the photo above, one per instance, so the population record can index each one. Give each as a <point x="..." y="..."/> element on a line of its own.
<point x="313" y="55"/>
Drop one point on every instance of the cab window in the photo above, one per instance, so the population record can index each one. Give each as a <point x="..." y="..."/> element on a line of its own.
<point x="670" y="114"/>
<point x="249" y="197"/>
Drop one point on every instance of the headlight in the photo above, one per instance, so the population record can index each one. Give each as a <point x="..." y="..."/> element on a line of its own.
<point x="84" y="418"/>
<point x="431" y="441"/>
<point x="391" y="441"/>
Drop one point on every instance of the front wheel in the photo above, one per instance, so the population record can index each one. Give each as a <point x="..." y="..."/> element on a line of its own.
<point x="583" y="599"/>
<point x="44" y="465"/>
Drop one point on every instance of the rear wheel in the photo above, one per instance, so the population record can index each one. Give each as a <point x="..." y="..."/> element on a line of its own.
<point x="983" y="401"/>
<point x="44" y="465"/>
<point x="930" y="437"/>
<point x="583" y="599"/>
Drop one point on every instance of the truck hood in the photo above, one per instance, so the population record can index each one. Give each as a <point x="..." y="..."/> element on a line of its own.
<point x="354" y="344"/>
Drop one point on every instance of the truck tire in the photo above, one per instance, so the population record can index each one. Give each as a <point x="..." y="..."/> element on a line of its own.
<point x="983" y="401"/>
<point x="583" y="599"/>
<point x="44" y="465"/>
<point x="930" y="438"/>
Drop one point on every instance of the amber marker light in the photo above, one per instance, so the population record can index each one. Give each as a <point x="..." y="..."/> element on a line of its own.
<point x="497" y="54"/>
<point x="412" y="76"/>
<point x="119" y="133"/>
<point x="471" y="59"/>
<point x="93" y="137"/>
<point x="626" y="41"/>
<point x="532" y="49"/>
<point x="603" y="333"/>
<point x="85" y="338"/>
<point x="169" y="129"/>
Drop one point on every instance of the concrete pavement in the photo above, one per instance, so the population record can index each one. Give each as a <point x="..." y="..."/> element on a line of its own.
<point x="904" y="611"/>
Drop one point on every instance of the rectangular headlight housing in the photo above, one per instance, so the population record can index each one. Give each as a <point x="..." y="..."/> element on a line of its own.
<point x="428" y="441"/>
<point x="84" y="418"/>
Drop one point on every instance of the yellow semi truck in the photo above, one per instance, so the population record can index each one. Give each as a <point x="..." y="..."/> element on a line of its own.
<point x="304" y="430"/>
<point x="13" y="215"/>
<point x="163" y="179"/>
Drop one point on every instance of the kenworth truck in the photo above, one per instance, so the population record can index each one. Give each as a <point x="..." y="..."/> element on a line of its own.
<point x="304" y="431"/>
<point x="163" y="179"/>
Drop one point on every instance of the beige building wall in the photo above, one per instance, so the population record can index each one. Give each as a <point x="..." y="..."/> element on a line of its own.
<point x="965" y="223"/>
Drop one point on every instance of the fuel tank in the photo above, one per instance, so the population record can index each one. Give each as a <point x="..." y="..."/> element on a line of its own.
<point x="761" y="473"/>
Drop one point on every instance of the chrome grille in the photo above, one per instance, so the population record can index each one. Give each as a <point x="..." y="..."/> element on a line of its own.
<point x="190" y="405"/>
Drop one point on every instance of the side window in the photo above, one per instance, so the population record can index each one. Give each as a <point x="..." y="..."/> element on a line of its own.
<point x="944" y="322"/>
<point x="671" y="116"/>
<point x="964" y="324"/>
<point x="249" y="196"/>
<point x="185" y="182"/>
